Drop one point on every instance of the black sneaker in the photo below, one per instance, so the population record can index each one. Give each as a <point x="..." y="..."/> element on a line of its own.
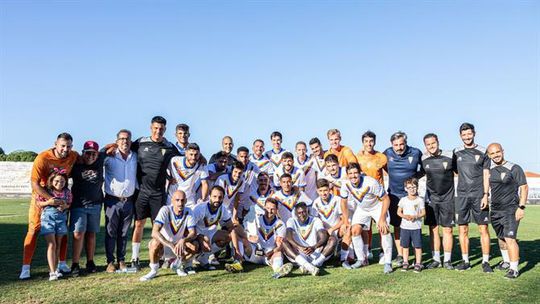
<point x="75" y="269"/>
<point x="503" y="266"/>
<point x="399" y="261"/>
<point x="448" y="265"/>
<point x="135" y="264"/>
<point x="511" y="274"/>
<point x="486" y="268"/>
<point x="463" y="266"/>
<point x="434" y="264"/>
<point x="91" y="267"/>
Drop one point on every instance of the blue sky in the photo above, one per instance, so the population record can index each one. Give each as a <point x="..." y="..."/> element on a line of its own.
<point x="246" y="69"/>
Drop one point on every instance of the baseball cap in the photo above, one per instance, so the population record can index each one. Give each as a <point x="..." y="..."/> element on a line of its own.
<point x="91" y="145"/>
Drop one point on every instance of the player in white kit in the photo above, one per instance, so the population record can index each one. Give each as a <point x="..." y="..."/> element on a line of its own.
<point x="305" y="163"/>
<point x="288" y="197"/>
<point x="173" y="236"/>
<point x="371" y="203"/>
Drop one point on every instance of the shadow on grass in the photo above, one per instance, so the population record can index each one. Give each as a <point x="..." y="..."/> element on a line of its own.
<point x="12" y="236"/>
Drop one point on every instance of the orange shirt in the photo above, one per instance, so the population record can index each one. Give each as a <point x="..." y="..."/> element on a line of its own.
<point x="46" y="161"/>
<point x="345" y="155"/>
<point x="372" y="164"/>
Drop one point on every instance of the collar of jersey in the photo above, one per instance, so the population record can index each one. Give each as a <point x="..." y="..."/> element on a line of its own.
<point x="307" y="222"/>
<point x="210" y="209"/>
<point x="231" y="181"/>
<point x="298" y="159"/>
<point x="186" y="166"/>
<point x="271" y="223"/>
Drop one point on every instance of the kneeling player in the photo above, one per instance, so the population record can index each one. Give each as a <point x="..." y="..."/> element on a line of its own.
<point x="264" y="240"/>
<point x="328" y="209"/>
<point x="173" y="236"/>
<point x="207" y="217"/>
<point x="307" y="242"/>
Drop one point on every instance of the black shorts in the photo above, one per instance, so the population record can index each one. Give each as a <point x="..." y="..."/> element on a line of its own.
<point x="440" y="214"/>
<point x="407" y="236"/>
<point x="395" y="220"/>
<point x="504" y="223"/>
<point x="147" y="205"/>
<point x="468" y="209"/>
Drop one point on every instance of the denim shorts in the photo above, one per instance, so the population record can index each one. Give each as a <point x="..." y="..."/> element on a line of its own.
<point x="53" y="221"/>
<point x="85" y="219"/>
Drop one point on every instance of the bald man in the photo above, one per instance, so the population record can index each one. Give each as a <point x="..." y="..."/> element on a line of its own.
<point x="227" y="146"/>
<point x="509" y="192"/>
<point x="173" y="236"/>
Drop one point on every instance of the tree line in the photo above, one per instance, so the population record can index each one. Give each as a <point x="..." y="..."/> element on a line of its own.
<point x="18" y="156"/>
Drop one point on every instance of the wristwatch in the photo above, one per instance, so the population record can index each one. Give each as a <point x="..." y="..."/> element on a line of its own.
<point x="522" y="207"/>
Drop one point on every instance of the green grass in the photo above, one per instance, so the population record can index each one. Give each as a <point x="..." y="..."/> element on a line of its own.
<point x="366" y="285"/>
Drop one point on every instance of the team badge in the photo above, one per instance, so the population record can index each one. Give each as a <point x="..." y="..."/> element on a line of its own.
<point x="477" y="157"/>
<point x="410" y="159"/>
<point x="445" y="164"/>
<point x="503" y="175"/>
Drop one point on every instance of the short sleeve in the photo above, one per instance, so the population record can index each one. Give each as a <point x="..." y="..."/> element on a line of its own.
<point x="39" y="169"/>
<point x="204" y="172"/>
<point x="421" y="204"/>
<point x="190" y="221"/>
<point x="162" y="216"/>
<point x="519" y="175"/>
<point x="344" y="191"/>
<point x="290" y="223"/>
<point x="401" y="202"/>
<point x="376" y="188"/>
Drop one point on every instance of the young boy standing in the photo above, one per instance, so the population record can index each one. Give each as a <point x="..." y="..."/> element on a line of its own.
<point x="411" y="209"/>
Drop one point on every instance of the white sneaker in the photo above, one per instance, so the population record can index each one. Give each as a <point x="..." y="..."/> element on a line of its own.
<point x="212" y="260"/>
<point x="346" y="265"/>
<point x="180" y="272"/>
<point x="59" y="274"/>
<point x="313" y="270"/>
<point x="64" y="268"/>
<point x="357" y="264"/>
<point x="25" y="274"/>
<point x="148" y="276"/>
<point x="53" y="276"/>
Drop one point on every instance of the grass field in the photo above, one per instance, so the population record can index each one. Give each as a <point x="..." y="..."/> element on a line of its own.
<point x="335" y="285"/>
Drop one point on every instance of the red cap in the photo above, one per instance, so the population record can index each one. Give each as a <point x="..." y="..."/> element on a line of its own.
<point x="91" y="145"/>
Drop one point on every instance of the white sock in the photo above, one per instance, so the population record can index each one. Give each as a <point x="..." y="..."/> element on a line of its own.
<point x="505" y="256"/>
<point x="26" y="267"/>
<point x="465" y="257"/>
<point x="514" y="265"/>
<point x="447" y="256"/>
<point x="300" y="260"/>
<point x="154" y="267"/>
<point x="358" y="247"/>
<point x="343" y="254"/>
<point x="437" y="256"/>
<point x="319" y="260"/>
<point x="135" y="248"/>
<point x="485" y="258"/>
<point x="387" y="243"/>
<point x="277" y="262"/>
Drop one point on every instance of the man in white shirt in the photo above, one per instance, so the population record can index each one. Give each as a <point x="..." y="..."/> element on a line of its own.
<point x="120" y="185"/>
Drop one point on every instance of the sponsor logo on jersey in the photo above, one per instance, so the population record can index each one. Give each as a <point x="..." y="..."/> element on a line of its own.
<point x="511" y="233"/>
<point x="503" y="175"/>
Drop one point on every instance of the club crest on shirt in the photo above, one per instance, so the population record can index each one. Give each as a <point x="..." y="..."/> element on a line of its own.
<point x="445" y="164"/>
<point x="410" y="159"/>
<point x="477" y="157"/>
<point x="163" y="151"/>
<point x="503" y="175"/>
<point x="427" y="166"/>
<point x="459" y="158"/>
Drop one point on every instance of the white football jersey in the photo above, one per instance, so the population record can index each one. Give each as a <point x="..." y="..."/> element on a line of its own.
<point x="275" y="158"/>
<point x="288" y="202"/>
<point x="250" y="179"/>
<point x="297" y="174"/>
<point x="335" y="181"/>
<point x="231" y="189"/>
<point x="207" y="221"/>
<point x="173" y="227"/>
<point x="305" y="234"/>
<point x="329" y="212"/>
<point x="187" y="178"/>
<point x="263" y="163"/>
<point x="310" y="176"/>
<point x="367" y="195"/>
<point x="258" y="200"/>
<point x="267" y="232"/>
